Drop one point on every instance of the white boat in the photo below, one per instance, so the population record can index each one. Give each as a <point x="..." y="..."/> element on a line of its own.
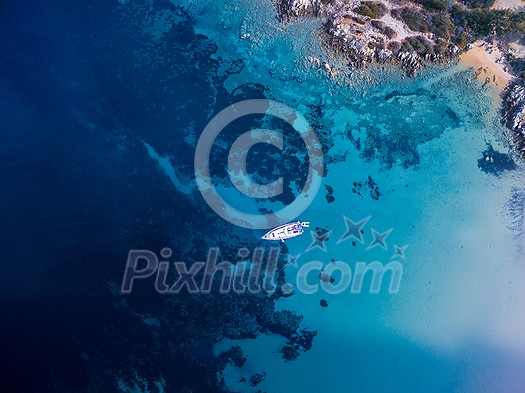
<point x="286" y="231"/>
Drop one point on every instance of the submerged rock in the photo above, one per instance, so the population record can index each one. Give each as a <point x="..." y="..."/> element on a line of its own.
<point x="233" y="356"/>
<point x="257" y="379"/>
<point x="326" y="278"/>
<point x="300" y="341"/>
<point x="494" y="162"/>
<point x="329" y="193"/>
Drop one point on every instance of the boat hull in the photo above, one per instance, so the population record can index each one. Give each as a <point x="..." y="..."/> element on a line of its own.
<point x="285" y="231"/>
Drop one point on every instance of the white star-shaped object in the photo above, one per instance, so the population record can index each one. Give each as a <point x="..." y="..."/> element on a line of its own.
<point x="353" y="229"/>
<point x="318" y="241"/>
<point x="399" y="252"/>
<point x="292" y="260"/>
<point x="379" y="239"/>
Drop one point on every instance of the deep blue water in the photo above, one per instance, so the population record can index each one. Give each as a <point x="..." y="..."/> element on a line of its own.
<point x="80" y="91"/>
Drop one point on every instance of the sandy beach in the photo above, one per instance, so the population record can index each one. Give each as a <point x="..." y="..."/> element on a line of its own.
<point x="483" y="58"/>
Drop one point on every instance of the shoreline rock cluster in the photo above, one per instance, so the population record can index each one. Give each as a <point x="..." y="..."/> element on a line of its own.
<point x="367" y="32"/>
<point x="288" y="10"/>
<point x="514" y="116"/>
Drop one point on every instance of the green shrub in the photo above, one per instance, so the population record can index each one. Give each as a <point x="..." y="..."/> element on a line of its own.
<point x="478" y="3"/>
<point x="461" y="40"/>
<point x="390" y="33"/>
<point x="394" y="46"/>
<point x="433" y="5"/>
<point x="442" y="26"/>
<point x="406" y="47"/>
<point x="420" y="44"/>
<point x="383" y="28"/>
<point x="378" y="25"/>
<point x="441" y="47"/>
<point x="372" y="9"/>
<point x="482" y="23"/>
<point x="415" y="20"/>
<point x="365" y="11"/>
<point x="517" y="21"/>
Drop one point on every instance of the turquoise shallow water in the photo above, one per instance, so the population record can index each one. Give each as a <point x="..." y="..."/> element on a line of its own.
<point x="457" y="323"/>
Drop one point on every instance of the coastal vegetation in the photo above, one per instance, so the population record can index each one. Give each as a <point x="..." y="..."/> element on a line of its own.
<point x="459" y="24"/>
<point x="383" y="28"/>
<point x="433" y="5"/>
<point x="372" y="9"/>
<point x="481" y="23"/>
<point x="478" y="3"/>
<point x="415" y="19"/>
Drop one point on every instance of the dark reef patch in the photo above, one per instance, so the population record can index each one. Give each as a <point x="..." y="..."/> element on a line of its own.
<point x="494" y="162"/>
<point x="300" y="341"/>
<point x="369" y="183"/>
<point x="256" y="379"/>
<point x="399" y="125"/>
<point x="329" y="193"/>
<point x="233" y="356"/>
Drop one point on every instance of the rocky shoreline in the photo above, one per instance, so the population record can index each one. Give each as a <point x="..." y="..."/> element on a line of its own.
<point x="367" y="32"/>
<point x="514" y="116"/>
<point x="411" y="34"/>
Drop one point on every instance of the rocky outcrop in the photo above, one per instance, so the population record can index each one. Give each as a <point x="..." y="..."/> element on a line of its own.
<point x="366" y="32"/>
<point x="292" y="9"/>
<point x="514" y="116"/>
